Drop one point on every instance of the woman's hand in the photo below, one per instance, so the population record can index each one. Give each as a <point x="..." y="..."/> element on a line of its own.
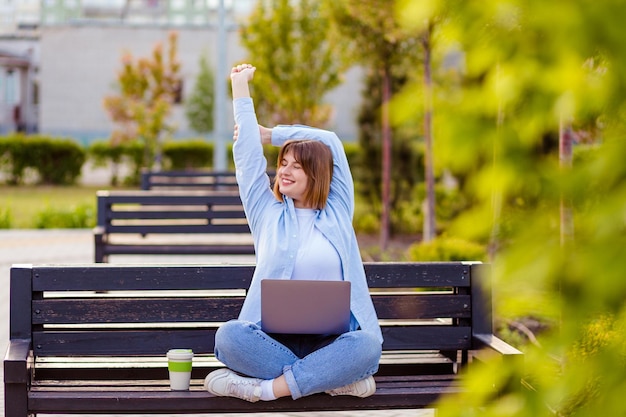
<point x="240" y="75"/>
<point x="242" y="71"/>
<point x="266" y="134"/>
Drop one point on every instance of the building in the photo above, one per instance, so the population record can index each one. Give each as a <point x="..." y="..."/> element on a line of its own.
<point x="67" y="52"/>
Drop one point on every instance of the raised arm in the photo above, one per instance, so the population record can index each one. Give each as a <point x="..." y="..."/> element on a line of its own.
<point x="250" y="163"/>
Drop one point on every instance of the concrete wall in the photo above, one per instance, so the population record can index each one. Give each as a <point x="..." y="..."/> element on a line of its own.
<point x="78" y="66"/>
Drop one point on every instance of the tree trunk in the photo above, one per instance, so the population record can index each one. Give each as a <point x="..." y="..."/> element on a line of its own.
<point x="565" y="162"/>
<point x="386" y="161"/>
<point x="429" y="231"/>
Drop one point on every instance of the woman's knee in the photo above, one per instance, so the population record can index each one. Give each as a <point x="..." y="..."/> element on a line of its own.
<point x="232" y="332"/>
<point x="367" y="345"/>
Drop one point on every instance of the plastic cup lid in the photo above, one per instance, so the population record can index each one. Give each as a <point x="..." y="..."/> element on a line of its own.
<point x="180" y="354"/>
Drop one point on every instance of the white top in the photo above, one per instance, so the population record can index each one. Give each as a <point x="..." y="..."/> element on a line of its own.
<point x="317" y="259"/>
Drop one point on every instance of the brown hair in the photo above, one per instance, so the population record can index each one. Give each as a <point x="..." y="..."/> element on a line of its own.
<point x="316" y="160"/>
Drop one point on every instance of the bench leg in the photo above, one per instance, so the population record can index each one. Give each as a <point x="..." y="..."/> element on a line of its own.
<point x="99" y="244"/>
<point x="15" y="400"/>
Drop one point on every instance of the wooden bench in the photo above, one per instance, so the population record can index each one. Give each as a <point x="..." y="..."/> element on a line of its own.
<point x="92" y="338"/>
<point x="202" y="180"/>
<point x="170" y="223"/>
<point x="189" y="179"/>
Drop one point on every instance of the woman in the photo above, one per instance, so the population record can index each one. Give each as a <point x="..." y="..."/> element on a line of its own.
<point x="306" y="218"/>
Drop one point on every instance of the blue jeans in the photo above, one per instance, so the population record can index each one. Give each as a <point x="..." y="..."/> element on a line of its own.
<point x="310" y="363"/>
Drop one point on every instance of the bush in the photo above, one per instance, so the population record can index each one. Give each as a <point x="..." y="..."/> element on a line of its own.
<point x="6" y="218"/>
<point x="187" y="154"/>
<point x="447" y="249"/>
<point x="365" y="221"/>
<point x="78" y="217"/>
<point x="103" y="152"/>
<point x="56" y="161"/>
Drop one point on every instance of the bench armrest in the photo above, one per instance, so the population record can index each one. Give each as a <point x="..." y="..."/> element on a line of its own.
<point x="491" y="342"/>
<point x="16" y="361"/>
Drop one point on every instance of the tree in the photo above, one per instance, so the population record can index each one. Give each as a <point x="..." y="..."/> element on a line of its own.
<point x="288" y="42"/>
<point x="147" y="88"/>
<point x="199" y="107"/>
<point x="406" y="153"/>
<point x="531" y="67"/>
<point x="375" y="39"/>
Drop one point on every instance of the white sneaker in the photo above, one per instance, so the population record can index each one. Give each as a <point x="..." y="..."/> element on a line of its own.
<point x="363" y="388"/>
<point x="226" y="383"/>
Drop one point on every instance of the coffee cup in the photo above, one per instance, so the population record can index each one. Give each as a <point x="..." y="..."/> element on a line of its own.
<point x="179" y="363"/>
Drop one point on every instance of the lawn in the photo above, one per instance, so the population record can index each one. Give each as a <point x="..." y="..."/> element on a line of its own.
<point x="27" y="203"/>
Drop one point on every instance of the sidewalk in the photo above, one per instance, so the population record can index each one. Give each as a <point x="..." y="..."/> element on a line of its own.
<point x="76" y="246"/>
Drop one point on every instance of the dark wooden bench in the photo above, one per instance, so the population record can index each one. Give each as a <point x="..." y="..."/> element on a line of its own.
<point x="170" y="223"/>
<point x="92" y="338"/>
<point x="189" y="179"/>
<point x="202" y="180"/>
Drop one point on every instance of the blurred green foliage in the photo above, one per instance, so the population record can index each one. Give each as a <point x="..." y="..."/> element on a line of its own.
<point x="524" y="70"/>
<point x="187" y="154"/>
<point x="76" y="217"/>
<point x="443" y="249"/>
<point x="130" y="153"/>
<point x="199" y="106"/>
<point x="55" y="161"/>
<point x="6" y="218"/>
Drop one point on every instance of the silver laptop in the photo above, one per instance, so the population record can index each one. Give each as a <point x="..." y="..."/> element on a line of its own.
<point x="305" y="307"/>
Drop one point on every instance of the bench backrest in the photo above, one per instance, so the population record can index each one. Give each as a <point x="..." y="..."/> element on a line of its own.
<point x="202" y="180"/>
<point x="103" y="310"/>
<point x="197" y="179"/>
<point x="146" y="212"/>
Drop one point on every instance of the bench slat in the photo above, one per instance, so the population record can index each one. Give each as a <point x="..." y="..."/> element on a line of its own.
<point x="135" y="310"/>
<point x="163" y="310"/>
<point x="179" y="228"/>
<point x="422" y="306"/>
<point x="426" y="337"/>
<point x="197" y="249"/>
<point x="102" y="277"/>
<point x="105" y="277"/>
<point x="391" y="393"/>
<point x="186" y="197"/>
<point x="448" y="274"/>
<point x="99" y="342"/>
<point x="176" y="214"/>
<point x="123" y="369"/>
<point x="102" y="342"/>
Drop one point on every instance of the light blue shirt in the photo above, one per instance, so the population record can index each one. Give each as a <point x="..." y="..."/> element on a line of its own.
<point x="274" y="224"/>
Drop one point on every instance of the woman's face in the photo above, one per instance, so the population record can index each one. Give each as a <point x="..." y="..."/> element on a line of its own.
<point x="292" y="181"/>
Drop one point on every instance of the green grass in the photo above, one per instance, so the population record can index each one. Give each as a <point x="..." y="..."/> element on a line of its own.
<point x="25" y="204"/>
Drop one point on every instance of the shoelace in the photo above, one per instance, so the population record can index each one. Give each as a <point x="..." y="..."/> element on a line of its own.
<point x="246" y="390"/>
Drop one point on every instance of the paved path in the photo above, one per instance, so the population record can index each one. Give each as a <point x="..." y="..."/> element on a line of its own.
<point x="76" y="246"/>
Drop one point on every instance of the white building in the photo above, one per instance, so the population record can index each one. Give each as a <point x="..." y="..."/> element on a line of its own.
<point x="71" y="50"/>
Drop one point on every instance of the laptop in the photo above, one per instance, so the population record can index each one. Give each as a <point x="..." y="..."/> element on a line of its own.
<point x="305" y="306"/>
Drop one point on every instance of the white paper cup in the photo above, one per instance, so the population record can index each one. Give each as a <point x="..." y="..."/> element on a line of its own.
<point x="179" y="363"/>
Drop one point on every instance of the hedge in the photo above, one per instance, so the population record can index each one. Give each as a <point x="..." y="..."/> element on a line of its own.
<point x="54" y="160"/>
